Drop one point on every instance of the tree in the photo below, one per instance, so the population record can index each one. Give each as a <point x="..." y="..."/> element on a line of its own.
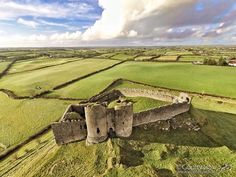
<point x="222" y="62"/>
<point x="211" y="62"/>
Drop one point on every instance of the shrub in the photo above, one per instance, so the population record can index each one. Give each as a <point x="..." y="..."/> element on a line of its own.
<point x="212" y="62"/>
<point x="163" y="155"/>
<point x="222" y="62"/>
<point x="209" y="62"/>
<point x="172" y="149"/>
<point x="186" y="154"/>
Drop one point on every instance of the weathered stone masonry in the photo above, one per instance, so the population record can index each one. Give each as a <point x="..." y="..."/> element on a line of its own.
<point x="96" y="122"/>
<point x="162" y="113"/>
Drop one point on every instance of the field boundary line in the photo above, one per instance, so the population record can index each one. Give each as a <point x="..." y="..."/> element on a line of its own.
<point x="20" y="145"/>
<point x="12" y="95"/>
<point x="87" y="75"/>
<point x="45" y="67"/>
<point x="178" y="90"/>
<point x="156" y="87"/>
<point x="5" y="71"/>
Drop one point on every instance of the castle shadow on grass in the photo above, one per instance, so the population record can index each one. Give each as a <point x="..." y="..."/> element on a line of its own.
<point x="216" y="130"/>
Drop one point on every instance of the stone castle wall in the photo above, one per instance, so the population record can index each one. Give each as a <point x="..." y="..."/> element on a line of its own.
<point x="161" y="113"/>
<point x="96" y="120"/>
<point x="69" y="131"/>
<point x="106" y="97"/>
<point x="124" y="120"/>
<point x="154" y="94"/>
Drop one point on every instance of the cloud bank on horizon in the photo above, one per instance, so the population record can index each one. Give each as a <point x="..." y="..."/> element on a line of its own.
<point x="39" y="23"/>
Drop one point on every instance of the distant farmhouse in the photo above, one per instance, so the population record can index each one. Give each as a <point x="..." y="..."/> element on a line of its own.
<point x="95" y="121"/>
<point x="232" y="62"/>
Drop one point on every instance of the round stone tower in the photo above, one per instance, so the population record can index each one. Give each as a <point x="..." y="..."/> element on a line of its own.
<point x="124" y="119"/>
<point x="96" y="121"/>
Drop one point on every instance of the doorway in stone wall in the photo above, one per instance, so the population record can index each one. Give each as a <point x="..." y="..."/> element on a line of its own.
<point x="111" y="133"/>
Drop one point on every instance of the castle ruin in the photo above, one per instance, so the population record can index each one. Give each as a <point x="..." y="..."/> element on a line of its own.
<point x="95" y="121"/>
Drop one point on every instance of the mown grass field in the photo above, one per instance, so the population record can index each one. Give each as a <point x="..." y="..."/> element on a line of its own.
<point x="167" y="58"/>
<point x="37" y="81"/>
<point x="172" y="52"/>
<point x="142" y="153"/>
<point x="141" y="103"/>
<point x="106" y="55"/>
<point x="122" y="56"/>
<point x="15" y="53"/>
<point x="143" y="58"/>
<point x="3" y="65"/>
<point x="182" y="76"/>
<point x="22" y="65"/>
<point x="20" y="119"/>
<point x="139" y="155"/>
<point x="191" y="58"/>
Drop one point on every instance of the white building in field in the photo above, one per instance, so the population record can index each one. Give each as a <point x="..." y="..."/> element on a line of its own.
<point x="232" y="62"/>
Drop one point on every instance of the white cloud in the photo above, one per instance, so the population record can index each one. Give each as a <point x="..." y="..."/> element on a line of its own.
<point x="132" y="33"/>
<point x="52" y="23"/>
<point x="10" y="9"/>
<point x="66" y="36"/>
<point x="127" y="22"/>
<point x="56" y="39"/>
<point x="2" y="32"/>
<point x="167" y="19"/>
<point x="29" y="23"/>
<point x="117" y="15"/>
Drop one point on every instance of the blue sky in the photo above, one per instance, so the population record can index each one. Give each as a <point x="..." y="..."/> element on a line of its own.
<point x="37" y="23"/>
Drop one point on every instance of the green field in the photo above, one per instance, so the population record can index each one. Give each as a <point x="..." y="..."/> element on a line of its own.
<point x="37" y="63"/>
<point x="139" y="155"/>
<point x="121" y="56"/>
<point x="34" y="82"/>
<point x="15" y="53"/>
<point x="22" y="118"/>
<point x="188" y="77"/>
<point x="142" y="104"/>
<point x="143" y="58"/>
<point x="191" y="58"/>
<point x="106" y="55"/>
<point x="3" y="65"/>
<point x="149" y="151"/>
<point x="154" y="52"/>
<point x="178" y="53"/>
<point x="167" y="58"/>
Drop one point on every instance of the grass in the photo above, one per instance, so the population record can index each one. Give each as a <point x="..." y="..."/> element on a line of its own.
<point x="138" y="155"/>
<point x="122" y="56"/>
<point x="182" y="76"/>
<point x="167" y="58"/>
<point x="214" y="104"/>
<point x="191" y="58"/>
<point x="219" y="126"/>
<point x="36" y="63"/>
<point x="106" y="55"/>
<point x="34" y="82"/>
<point x="178" y="53"/>
<point x="20" y="119"/>
<point x="142" y="103"/>
<point x="15" y="53"/>
<point x="143" y="58"/>
<point x="3" y="65"/>
<point x="154" y="52"/>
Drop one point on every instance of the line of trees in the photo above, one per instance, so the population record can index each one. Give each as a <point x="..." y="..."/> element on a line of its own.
<point x="220" y="62"/>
